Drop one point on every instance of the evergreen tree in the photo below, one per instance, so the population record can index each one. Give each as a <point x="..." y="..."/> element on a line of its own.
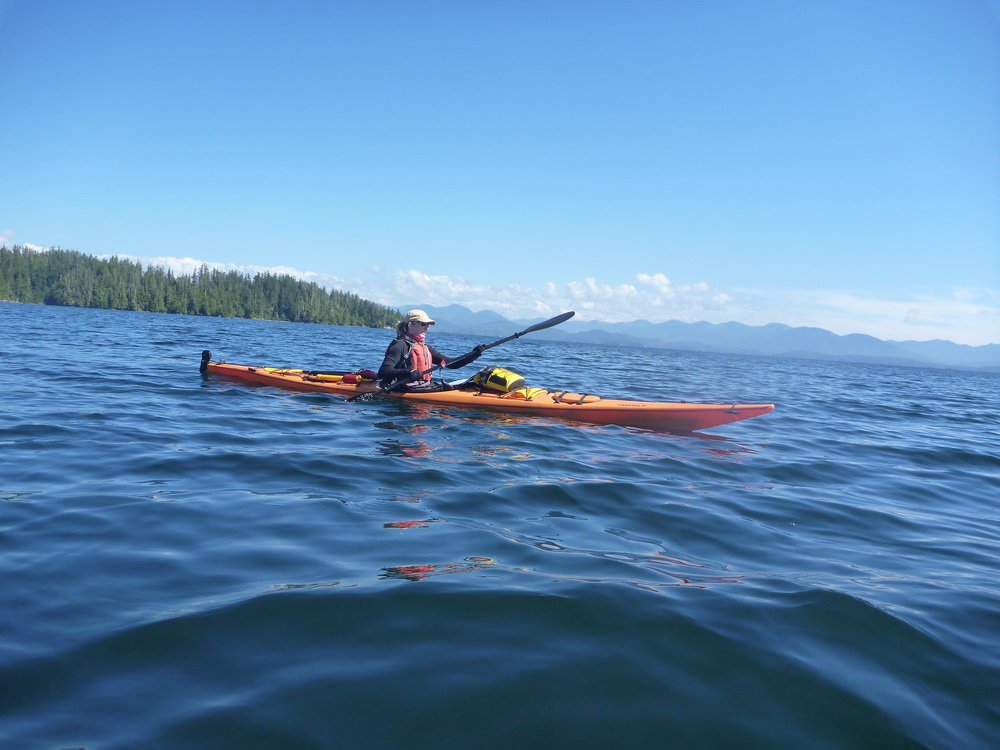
<point x="72" y="279"/>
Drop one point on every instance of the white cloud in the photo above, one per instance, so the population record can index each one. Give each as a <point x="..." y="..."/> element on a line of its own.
<point x="189" y="266"/>
<point x="7" y="240"/>
<point x="653" y="296"/>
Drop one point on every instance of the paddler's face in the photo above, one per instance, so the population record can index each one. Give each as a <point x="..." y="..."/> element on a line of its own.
<point x="416" y="328"/>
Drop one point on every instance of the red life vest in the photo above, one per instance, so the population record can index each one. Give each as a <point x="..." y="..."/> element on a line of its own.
<point x="420" y="357"/>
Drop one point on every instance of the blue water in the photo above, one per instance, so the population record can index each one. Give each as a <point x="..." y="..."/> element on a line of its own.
<point x="199" y="563"/>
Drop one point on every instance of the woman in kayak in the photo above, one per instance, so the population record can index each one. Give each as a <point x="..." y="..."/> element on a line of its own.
<point x="409" y="357"/>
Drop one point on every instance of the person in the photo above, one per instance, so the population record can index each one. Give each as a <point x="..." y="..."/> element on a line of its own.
<point x="409" y="357"/>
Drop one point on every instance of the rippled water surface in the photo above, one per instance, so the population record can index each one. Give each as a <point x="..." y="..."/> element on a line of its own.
<point x="200" y="563"/>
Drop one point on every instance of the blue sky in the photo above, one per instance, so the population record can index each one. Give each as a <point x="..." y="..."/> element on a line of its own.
<point x="833" y="163"/>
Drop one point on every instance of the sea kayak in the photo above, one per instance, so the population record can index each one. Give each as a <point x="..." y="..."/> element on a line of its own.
<point x="582" y="407"/>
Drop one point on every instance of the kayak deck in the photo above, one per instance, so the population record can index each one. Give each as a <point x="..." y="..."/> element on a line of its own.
<point x="673" y="417"/>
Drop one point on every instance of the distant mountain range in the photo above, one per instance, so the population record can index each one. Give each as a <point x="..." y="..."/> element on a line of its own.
<point x="773" y="339"/>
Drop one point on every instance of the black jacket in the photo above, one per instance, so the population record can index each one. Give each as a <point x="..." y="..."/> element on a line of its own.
<point x="398" y="362"/>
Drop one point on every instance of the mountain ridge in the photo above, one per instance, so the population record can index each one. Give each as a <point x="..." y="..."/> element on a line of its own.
<point x="772" y="339"/>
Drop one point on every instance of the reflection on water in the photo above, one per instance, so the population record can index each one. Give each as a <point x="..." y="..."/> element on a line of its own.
<point x="420" y="523"/>
<point x="403" y="449"/>
<point x="399" y="449"/>
<point x="657" y="570"/>
<point x="420" y="572"/>
<point x="432" y="433"/>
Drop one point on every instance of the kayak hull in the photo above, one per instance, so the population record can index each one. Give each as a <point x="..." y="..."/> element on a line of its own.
<point x="671" y="417"/>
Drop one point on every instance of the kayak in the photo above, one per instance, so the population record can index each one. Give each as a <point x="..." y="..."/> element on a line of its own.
<point x="581" y="407"/>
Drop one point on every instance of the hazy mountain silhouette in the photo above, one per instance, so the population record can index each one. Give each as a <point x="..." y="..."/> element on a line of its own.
<point x="774" y="339"/>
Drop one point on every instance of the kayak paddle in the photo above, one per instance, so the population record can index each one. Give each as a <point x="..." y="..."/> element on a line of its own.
<point x="530" y="329"/>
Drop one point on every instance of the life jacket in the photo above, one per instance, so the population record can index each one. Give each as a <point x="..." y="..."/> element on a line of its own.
<point x="420" y="357"/>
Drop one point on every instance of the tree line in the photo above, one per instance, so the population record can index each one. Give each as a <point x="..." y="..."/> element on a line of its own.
<point x="73" y="279"/>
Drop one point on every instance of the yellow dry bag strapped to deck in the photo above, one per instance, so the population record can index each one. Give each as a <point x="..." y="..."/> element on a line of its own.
<point x="498" y="379"/>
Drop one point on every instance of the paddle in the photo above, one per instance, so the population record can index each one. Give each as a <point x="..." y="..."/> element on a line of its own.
<point x="530" y="329"/>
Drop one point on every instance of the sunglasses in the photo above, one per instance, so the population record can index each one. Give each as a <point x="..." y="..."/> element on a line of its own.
<point x="420" y="323"/>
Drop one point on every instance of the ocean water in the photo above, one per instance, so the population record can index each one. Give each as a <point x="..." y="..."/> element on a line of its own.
<point x="191" y="562"/>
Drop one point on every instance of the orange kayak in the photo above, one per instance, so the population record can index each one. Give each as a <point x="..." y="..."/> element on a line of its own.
<point x="671" y="417"/>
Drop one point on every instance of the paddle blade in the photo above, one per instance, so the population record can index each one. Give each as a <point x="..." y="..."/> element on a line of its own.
<point x="366" y="396"/>
<point x="550" y="322"/>
<point x="537" y="327"/>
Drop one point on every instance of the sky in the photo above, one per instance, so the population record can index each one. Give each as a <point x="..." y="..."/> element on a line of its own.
<point x="831" y="163"/>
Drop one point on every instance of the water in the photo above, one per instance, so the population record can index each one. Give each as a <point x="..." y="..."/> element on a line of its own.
<point x="197" y="563"/>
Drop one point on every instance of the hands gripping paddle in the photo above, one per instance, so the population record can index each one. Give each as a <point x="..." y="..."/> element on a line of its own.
<point x="530" y="329"/>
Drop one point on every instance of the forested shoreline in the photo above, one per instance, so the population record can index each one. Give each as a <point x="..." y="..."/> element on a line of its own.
<point x="72" y="279"/>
